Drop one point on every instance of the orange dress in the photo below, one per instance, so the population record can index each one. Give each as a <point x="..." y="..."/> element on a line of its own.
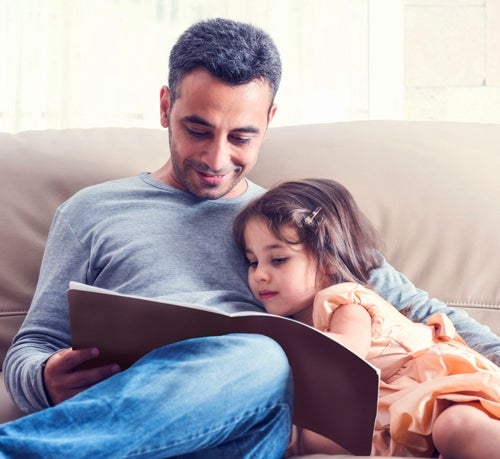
<point x="424" y="368"/>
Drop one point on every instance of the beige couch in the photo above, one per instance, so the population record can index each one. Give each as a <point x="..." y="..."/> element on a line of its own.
<point x="432" y="189"/>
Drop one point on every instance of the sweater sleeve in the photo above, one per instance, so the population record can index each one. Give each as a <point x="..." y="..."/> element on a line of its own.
<point x="46" y="327"/>
<point x="400" y="292"/>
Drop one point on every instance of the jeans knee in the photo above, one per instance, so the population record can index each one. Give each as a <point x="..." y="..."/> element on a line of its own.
<point x="266" y="362"/>
<point x="267" y="355"/>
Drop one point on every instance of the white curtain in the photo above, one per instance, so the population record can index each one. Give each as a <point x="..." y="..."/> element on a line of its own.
<point x="82" y="63"/>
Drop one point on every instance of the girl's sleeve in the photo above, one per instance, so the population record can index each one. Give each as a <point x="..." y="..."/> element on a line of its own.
<point x="329" y="299"/>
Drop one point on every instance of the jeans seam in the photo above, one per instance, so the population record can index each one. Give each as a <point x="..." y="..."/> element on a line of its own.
<point x="207" y="432"/>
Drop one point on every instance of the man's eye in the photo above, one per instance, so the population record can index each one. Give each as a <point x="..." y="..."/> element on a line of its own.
<point x="196" y="134"/>
<point x="239" y="140"/>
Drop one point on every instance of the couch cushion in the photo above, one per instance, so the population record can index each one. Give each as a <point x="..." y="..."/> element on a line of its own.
<point x="8" y="411"/>
<point x="41" y="169"/>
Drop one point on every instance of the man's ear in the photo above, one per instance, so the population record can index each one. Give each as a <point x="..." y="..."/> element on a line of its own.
<point x="164" y="105"/>
<point x="272" y="112"/>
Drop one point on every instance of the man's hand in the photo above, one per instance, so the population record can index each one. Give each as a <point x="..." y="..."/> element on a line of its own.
<point x="62" y="378"/>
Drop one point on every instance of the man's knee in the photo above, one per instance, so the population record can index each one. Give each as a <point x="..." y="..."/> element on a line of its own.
<point x="250" y="360"/>
<point x="264" y="353"/>
<point x="264" y="364"/>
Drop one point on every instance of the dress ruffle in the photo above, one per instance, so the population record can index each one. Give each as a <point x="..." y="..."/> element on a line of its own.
<point x="424" y="369"/>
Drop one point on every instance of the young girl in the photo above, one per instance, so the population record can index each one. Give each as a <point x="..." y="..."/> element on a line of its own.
<point x="310" y="252"/>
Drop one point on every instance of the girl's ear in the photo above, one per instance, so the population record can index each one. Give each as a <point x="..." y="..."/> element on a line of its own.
<point x="326" y="278"/>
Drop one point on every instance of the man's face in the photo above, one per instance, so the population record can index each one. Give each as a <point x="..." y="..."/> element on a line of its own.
<point x="216" y="131"/>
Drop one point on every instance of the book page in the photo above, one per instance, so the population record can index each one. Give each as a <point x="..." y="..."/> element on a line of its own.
<point x="336" y="392"/>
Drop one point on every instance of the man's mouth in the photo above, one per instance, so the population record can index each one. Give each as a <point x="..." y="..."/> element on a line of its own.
<point x="211" y="179"/>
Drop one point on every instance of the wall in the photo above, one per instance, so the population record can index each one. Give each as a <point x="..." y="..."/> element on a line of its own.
<point x="84" y="63"/>
<point x="452" y="60"/>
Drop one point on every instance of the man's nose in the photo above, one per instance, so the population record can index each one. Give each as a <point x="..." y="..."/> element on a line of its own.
<point x="218" y="155"/>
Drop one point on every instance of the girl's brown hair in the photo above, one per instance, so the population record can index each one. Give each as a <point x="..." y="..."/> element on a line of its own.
<point x="327" y="221"/>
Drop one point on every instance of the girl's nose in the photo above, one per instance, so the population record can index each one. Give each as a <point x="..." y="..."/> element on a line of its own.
<point x="261" y="273"/>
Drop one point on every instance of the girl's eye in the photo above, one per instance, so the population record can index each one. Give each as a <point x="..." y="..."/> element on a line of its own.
<point x="279" y="261"/>
<point x="252" y="264"/>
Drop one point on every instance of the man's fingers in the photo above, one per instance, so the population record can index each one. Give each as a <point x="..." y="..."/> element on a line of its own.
<point x="68" y="360"/>
<point x="63" y="378"/>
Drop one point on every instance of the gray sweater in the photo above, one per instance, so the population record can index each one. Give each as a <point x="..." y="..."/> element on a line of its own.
<point x="138" y="236"/>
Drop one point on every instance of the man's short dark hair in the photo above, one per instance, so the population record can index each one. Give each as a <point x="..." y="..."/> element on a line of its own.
<point x="234" y="52"/>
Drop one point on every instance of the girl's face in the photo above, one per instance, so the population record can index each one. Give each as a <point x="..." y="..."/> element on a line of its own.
<point x="281" y="276"/>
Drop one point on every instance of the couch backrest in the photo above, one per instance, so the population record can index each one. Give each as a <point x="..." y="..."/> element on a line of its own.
<point x="430" y="188"/>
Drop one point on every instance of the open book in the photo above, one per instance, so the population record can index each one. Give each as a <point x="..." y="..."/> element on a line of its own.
<point x="336" y="391"/>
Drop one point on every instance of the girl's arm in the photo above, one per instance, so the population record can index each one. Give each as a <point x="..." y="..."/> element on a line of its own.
<point x="350" y="325"/>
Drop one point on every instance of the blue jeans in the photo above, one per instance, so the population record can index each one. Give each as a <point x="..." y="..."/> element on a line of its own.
<point x="215" y="397"/>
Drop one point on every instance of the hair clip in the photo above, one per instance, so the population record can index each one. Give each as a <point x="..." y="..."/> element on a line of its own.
<point x="310" y="218"/>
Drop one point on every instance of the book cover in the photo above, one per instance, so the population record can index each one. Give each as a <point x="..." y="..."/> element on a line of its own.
<point x="335" y="390"/>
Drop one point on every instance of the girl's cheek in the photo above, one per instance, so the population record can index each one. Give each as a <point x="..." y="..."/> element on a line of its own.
<point x="251" y="284"/>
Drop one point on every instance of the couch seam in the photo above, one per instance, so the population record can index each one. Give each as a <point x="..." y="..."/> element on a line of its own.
<point x="468" y="304"/>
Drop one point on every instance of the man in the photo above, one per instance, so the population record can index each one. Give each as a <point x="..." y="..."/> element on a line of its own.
<point x="168" y="234"/>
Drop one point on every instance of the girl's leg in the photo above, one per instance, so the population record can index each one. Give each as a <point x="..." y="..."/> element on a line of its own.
<point x="464" y="431"/>
<point x="223" y="397"/>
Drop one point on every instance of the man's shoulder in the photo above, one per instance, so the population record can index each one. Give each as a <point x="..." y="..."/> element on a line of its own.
<point x="99" y="192"/>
